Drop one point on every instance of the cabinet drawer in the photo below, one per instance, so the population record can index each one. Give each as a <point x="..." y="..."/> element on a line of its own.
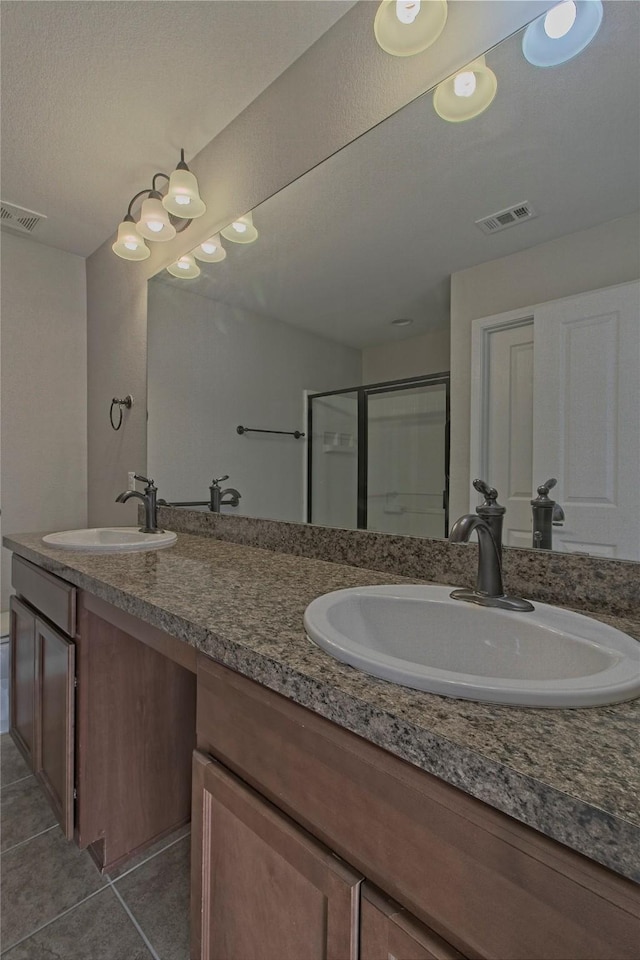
<point x="51" y="596"/>
<point x="486" y="884"/>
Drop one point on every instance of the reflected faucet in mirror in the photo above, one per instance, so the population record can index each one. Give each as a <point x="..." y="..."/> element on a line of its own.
<point x="487" y="523"/>
<point x="215" y="500"/>
<point x="546" y="515"/>
<point x="217" y="495"/>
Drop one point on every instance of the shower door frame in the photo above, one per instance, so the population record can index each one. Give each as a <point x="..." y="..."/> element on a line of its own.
<point x="363" y="393"/>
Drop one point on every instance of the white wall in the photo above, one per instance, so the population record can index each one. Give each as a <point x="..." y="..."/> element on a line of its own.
<point x="44" y="391"/>
<point x="212" y="367"/>
<point x="600" y="257"/>
<point x="341" y="87"/>
<point x="413" y="357"/>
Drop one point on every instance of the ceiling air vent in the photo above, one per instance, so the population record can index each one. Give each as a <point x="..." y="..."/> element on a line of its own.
<point x="18" y="218"/>
<point x="506" y="218"/>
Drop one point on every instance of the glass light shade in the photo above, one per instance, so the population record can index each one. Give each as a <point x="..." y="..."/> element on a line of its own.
<point x="154" y="221"/>
<point x="185" y="268"/>
<point x="235" y="232"/>
<point x="183" y="198"/>
<point x="544" y="51"/>
<point x="456" y="108"/>
<point x="129" y="244"/>
<point x="211" y="251"/>
<point x="404" y="39"/>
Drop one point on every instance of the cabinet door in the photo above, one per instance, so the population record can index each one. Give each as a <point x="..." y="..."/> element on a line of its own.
<point x="23" y="694"/>
<point x="263" y="889"/>
<point x="56" y="679"/>
<point x="389" y="932"/>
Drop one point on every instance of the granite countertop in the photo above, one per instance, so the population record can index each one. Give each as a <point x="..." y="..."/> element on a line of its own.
<point x="571" y="774"/>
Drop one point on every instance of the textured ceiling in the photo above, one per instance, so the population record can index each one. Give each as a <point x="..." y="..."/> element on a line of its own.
<point x="98" y="96"/>
<point x="375" y="232"/>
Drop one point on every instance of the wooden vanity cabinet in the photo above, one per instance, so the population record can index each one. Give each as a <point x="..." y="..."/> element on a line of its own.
<point x="23" y="699"/>
<point x="388" y="930"/>
<point x="42" y="678"/>
<point x="266" y="889"/>
<point x="467" y="880"/>
<point x="102" y="707"/>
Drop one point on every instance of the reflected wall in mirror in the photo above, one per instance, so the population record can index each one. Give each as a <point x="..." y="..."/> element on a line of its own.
<point x="387" y="229"/>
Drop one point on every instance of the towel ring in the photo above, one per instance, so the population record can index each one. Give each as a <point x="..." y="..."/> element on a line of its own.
<point x="127" y="402"/>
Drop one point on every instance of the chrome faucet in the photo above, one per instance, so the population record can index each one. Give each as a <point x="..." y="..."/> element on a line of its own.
<point x="150" y="505"/>
<point x="487" y="522"/>
<point x="217" y="494"/>
<point x="546" y="514"/>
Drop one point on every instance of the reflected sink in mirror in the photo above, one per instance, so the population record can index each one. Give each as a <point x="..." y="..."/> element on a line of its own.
<point x="419" y="637"/>
<point x="110" y="539"/>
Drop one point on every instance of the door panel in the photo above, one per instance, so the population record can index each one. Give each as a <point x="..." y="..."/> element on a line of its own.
<point x="587" y="423"/>
<point x="56" y="676"/>
<point x="23" y="699"/>
<point x="265" y="889"/>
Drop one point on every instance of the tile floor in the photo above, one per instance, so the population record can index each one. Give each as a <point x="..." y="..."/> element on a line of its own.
<point x="55" y="904"/>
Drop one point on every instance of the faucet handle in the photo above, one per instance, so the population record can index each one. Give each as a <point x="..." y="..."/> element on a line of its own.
<point x="214" y="483"/>
<point x="543" y="489"/>
<point x="146" y="480"/>
<point x="489" y="493"/>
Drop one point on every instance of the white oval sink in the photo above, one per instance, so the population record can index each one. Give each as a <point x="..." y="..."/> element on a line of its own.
<point x="110" y="539"/>
<point x="419" y="637"/>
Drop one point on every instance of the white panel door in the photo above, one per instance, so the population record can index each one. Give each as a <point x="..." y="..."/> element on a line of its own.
<point x="587" y="418"/>
<point x="502" y="418"/>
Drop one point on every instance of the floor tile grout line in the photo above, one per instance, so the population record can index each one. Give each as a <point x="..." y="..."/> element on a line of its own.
<point x="149" y="858"/>
<point x="57" y="917"/>
<point x="146" y="940"/>
<point x="21" y="843"/>
<point x="13" y="782"/>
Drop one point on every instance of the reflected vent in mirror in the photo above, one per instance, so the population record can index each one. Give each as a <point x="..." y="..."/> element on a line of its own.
<point x="506" y="218"/>
<point x="19" y="218"/>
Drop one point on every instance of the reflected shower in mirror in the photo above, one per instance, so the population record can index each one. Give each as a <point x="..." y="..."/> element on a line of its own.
<point x="406" y="224"/>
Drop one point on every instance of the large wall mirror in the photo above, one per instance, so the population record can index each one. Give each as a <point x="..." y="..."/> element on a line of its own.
<point x="380" y="233"/>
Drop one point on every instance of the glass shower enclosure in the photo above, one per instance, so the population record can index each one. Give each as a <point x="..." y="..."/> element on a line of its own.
<point x="378" y="457"/>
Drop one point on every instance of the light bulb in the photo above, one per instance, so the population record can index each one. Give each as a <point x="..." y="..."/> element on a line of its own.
<point x="185" y="268"/>
<point x="154" y="221"/>
<point x="407" y="10"/>
<point x="464" y="84"/>
<point x="406" y="27"/>
<point x="562" y="33"/>
<point x="211" y="251"/>
<point x="241" y="230"/>
<point x="129" y="245"/>
<point x="467" y="94"/>
<point x="560" y="19"/>
<point x="183" y="192"/>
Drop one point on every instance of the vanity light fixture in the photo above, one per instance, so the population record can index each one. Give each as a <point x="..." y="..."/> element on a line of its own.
<point x="406" y="27"/>
<point x="130" y="245"/>
<point x="211" y="251"/>
<point x="185" y="268"/>
<point x="467" y="93"/>
<point x="161" y="217"/>
<point x="562" y="33"/>
<point x="241" y="230"/>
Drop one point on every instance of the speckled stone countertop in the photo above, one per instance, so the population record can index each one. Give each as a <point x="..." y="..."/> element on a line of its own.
<point x="571" y="774"/>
